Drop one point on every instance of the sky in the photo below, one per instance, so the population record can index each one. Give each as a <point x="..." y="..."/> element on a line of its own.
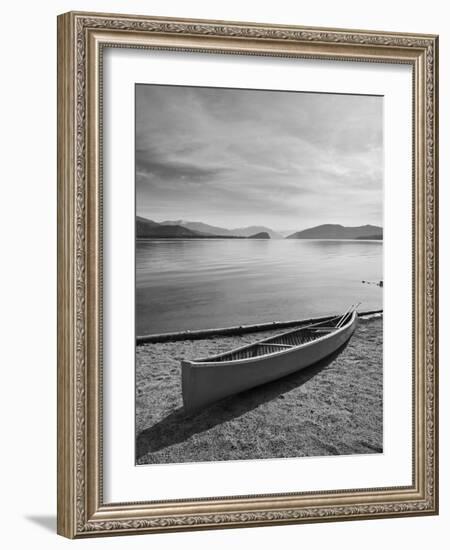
<point x="233" y="158"/>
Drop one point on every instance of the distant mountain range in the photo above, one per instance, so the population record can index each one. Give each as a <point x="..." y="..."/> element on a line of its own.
<point x="148" y="229"/>
<point x="335" y="231"/>
<point x="199" y="227"/>
<point x="182" y="229"/>
<point x="222" y="232"/>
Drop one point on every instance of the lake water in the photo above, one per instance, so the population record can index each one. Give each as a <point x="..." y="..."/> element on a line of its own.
<point x="210" y="283"/>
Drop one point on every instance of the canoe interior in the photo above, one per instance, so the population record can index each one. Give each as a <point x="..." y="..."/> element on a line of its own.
<point x="282" y="342"/>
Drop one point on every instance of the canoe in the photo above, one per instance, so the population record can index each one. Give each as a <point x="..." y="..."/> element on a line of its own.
<point x="207" y="380"/>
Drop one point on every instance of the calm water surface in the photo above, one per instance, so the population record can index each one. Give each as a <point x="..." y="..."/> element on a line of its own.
<point x="209" y="283"/>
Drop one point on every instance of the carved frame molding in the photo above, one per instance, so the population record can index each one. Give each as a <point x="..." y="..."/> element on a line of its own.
<point x="81" y="39"/>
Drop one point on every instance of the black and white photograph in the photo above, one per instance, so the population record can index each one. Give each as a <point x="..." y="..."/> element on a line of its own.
<point x="259" y="274"/>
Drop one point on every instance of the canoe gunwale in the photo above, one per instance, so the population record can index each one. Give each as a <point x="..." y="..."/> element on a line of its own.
<point x="209" y="361"/>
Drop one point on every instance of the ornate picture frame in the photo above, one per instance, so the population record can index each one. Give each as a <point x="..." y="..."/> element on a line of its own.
<point x="82" y="39"/>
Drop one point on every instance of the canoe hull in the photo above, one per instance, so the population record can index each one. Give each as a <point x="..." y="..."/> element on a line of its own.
<point x="206" y="383"/>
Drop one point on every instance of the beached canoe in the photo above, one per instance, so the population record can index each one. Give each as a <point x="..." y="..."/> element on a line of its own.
<point x="209" y="379"/>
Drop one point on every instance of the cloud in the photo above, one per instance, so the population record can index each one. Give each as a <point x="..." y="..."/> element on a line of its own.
<point x="152" y="163"/>
<point x="243" y="157"/>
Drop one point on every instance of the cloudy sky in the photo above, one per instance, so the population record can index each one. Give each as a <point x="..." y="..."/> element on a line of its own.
<point x="287" y="160"/>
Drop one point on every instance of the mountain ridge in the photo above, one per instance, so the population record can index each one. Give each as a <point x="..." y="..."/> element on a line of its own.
<point x="146" y="228"/>
<point x="222" y="231"/>
<point x="149" y="229"/>
<point x="338" y="231"/>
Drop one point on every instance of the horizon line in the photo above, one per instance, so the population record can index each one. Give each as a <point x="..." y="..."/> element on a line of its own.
<point x="185" y="220"/>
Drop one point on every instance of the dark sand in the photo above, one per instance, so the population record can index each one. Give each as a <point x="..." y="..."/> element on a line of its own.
<point x="332" y="408"/>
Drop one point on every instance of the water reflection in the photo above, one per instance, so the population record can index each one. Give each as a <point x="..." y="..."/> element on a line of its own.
<point x="192" y="284"/>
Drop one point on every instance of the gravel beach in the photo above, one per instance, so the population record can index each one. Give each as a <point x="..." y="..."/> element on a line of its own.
<point x="332" y="408"/>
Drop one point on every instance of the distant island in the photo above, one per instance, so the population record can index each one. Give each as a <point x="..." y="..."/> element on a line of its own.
<point x="336" y="231"/>
<point x="181" y="229"/>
